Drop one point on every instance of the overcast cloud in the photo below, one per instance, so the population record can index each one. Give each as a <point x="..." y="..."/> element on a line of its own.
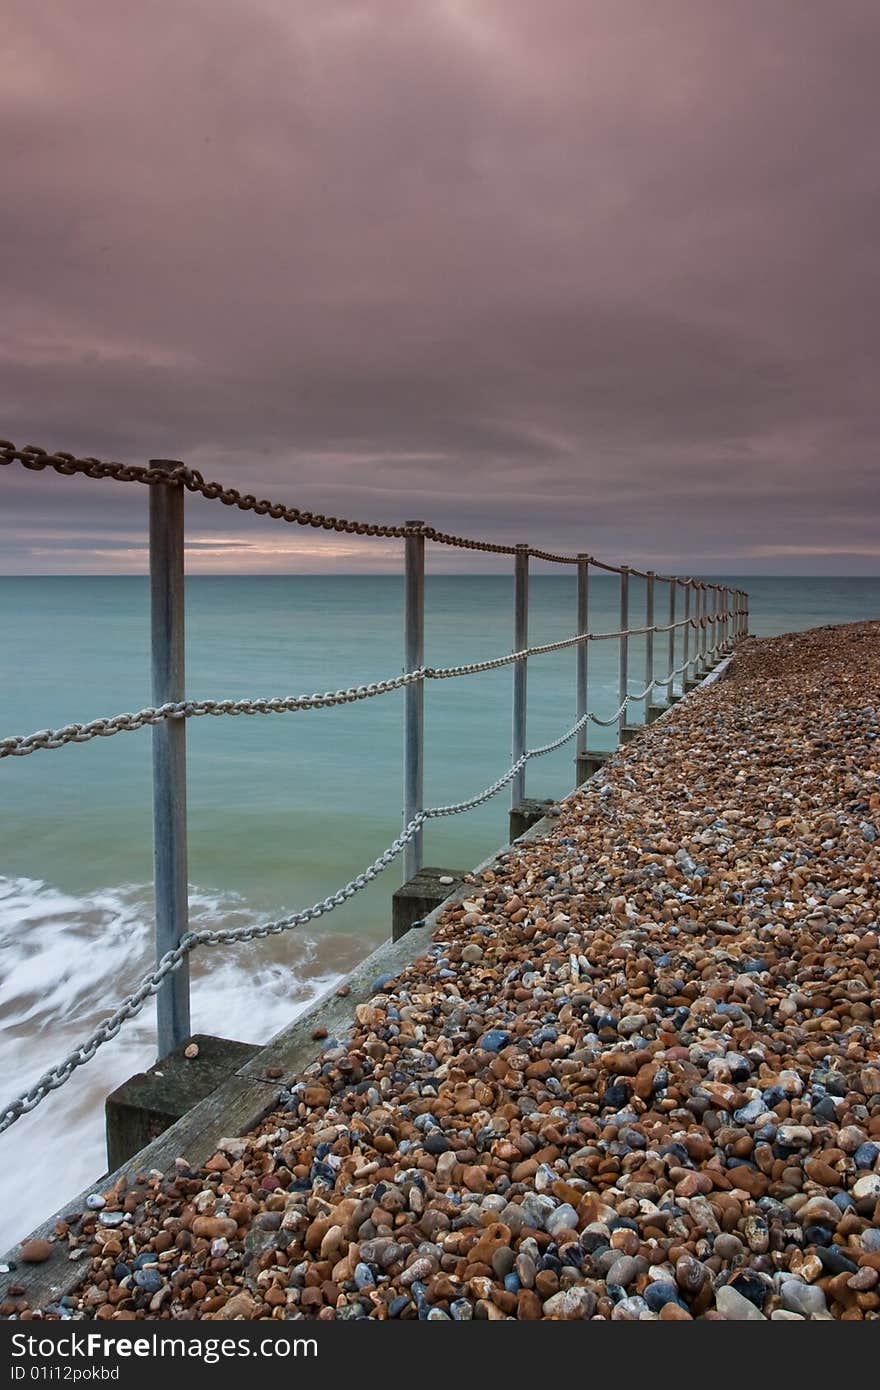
<point x="599" y="274"/>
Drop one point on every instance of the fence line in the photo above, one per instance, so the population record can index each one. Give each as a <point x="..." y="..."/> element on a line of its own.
<point x="20" y="745"/>
<point x="717" y="626"/>
<point x="179" y="475"/>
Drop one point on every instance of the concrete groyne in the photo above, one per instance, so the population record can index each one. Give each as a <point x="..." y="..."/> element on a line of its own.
<point x="629" y="1070"/>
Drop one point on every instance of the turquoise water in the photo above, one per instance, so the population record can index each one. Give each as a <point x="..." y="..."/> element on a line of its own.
<point x="282" y="809"/>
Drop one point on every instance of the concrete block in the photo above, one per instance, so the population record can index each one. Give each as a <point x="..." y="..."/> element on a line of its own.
<point x="420" y="895"/>
<point x="528" y="813"/>
<point x="145" y="1105"/>
<point x="589" y="762"/>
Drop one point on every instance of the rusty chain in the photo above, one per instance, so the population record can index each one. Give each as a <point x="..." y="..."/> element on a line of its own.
<point x="36" y="459"/>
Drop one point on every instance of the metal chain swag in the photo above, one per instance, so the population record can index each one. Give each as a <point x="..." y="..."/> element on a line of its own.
<point x="36" y="459"/>
<point x="18" y="746"/>
<point x="32" y="457"/>
<point x="133" y="1003"/>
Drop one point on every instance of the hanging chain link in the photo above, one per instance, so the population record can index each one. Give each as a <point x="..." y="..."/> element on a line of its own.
<point x="37" y="459"/>
<point x="32" y="457"/>
<point x="20" y="745"/>
<point x="133" y="1003"/>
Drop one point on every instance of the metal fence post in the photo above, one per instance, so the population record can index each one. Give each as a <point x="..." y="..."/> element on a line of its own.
<point x="649" y="641"/>
<point x="169" y="752"/>
<point x="701" y="632"/>
<point x="520" y="642"/>
<point x="583" y="648"/>
<point x="686" y="636"/>
<point x="670" y="684"/>
<point x="414" y="695"/>
<point x="716" y="623"/>
<point x="623" y="673"/>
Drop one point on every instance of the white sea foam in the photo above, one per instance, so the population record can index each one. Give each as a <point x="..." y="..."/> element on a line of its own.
<point x="66" y="960"/>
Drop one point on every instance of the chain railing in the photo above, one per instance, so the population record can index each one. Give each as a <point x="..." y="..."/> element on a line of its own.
<point x="716" y="625"/>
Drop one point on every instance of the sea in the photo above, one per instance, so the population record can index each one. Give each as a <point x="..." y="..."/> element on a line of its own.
<point x="283" y="809"/>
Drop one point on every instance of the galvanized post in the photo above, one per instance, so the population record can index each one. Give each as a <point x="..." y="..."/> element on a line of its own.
<point x="169" y="753"/>
<point x="716" y="623"/>
<point x="623" y="673"/>
<point x="414" y="695"/>
<point x="702" y="629"/>
<point x="670" y="684"/>
<point x="649" y="642"/>
<point x="520" y="642"/>
<point x="583" y="650"/>
<point x="686" y="636"/>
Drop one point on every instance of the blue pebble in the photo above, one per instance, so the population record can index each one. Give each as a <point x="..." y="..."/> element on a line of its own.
<point x="363" y="1276"/>
<point x="494" y="1040"/>
<point x="397" y="1305"/>
<point x="149" y="1257"/>
<point x="461" y="1310"/>
<point x="658" y="1294"/>
<point x="866" y="1155"/>
<point x="544" y="1035"/>
<point x="148" y="1280"/>
<point x="511" y="1283"/>
<point x="382" y="982"/>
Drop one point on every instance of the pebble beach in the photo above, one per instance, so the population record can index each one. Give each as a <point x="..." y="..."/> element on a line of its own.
<point x="635" y="1074"/>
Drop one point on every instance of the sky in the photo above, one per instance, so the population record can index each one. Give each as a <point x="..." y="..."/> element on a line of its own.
<point x="600" y="275"/>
